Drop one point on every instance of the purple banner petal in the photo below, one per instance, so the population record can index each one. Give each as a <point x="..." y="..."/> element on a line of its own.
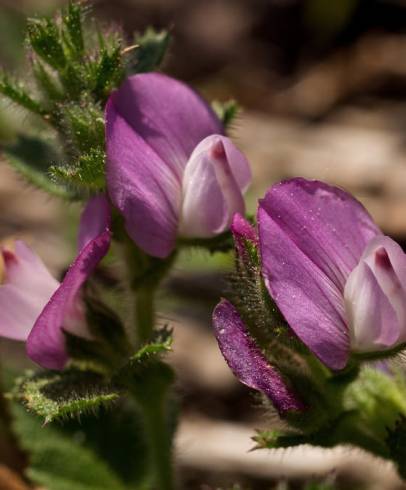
<point x="312" y="235"/>
<point x="142" y="186"/>
<point x="167" y="114"/>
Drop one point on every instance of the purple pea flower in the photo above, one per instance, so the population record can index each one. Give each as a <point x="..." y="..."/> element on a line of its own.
<point x="338" y="281"/>
<point x="35" y="307"/>
<point x="170" y="170"/>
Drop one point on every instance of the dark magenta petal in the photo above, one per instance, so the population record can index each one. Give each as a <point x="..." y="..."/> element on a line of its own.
<point x="312" y="235"/>
<point x="167" y="114"/>
<point x="247" y="361"/>
<point x="243" y="230"/>
<point x="46" y="341"/>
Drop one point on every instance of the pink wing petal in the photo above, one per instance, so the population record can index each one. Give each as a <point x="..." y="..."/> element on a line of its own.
<point x="211" y="194"/>
<point x="27" y="288"/>
<point x="375" y="296"/>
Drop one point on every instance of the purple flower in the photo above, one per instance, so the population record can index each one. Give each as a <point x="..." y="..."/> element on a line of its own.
<point x="170" y="170"/>
<point x="338" y="281"/>
<point x="36" y="308"/>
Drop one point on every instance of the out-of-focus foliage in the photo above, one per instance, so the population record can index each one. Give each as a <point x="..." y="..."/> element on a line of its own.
<point x="74" y="67"/>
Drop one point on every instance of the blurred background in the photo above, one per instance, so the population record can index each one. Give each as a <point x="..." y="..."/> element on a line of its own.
<point x="322" y="86"/>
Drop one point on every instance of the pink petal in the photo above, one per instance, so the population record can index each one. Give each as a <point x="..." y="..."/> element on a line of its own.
<point x="46" y="342"/>
<point x="238" y="163"/>
<point x="167" y="114"/>
<point x="142" y="186"/>
<point x="27" y="288"/>
<point x="211" y="194"/>
<point x="243" y="230"/>
<point x="375" y="296"/>
<point x="311" y="237"/>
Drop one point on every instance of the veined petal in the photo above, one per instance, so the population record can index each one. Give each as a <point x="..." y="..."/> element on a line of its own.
<point x="96" y="217"/>
<point x="170" y="116"/>
<point x="326" y="223"/>
<point x="372" y="319"/>
<point x="211" y="194"/>
<point x="46" y="342"/>
<point x="311" y="304"/>
<point x="142" y="186"/>
<point x="375" y="296"/>
<point x="247" y="361"/>
<point x="311" y="236"/>
<point x="27" y="288"/>
<point x="238" y="163"/>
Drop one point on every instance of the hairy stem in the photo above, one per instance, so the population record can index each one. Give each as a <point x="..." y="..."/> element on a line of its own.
<point x="144" y="315"/>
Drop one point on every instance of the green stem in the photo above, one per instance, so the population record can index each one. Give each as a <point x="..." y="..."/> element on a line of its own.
<point x="159" y="440"/>
<point x="151" y="391"/>
<point x="144" y="315"/>
<point x="152" y="397"/>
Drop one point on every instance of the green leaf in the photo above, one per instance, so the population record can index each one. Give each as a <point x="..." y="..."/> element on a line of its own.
<point x="31" y="158"/>
<point x="72" y="22"/>
<point x="88" y="172"/>
<point x="46" y="83"/>
<point x="152" y="47"/>
<point x="58" y="461"/>
<point x="83" y="126"/>
<point x="161" y="344"/>
<point x="121" y="442"/>
<point x="56" y="396"/>
<point x="109" y="72"/>
<point x="44" y="38"/>
<point x="17" y="93"/>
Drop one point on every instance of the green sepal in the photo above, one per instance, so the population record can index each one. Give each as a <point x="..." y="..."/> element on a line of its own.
<point x="226" y="111"/>
<point x="58" y="396"/>
<point x="151" y="47"/>
<point x="379" y="355"/>
<point x="220" y="243"/>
